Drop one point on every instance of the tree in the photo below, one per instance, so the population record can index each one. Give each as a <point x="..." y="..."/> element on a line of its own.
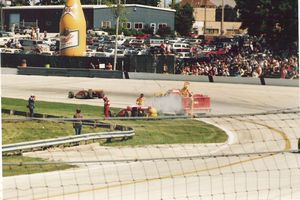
<point x="164" y="31"/>
<point x="230" y="13"/>
<point x="184" y="19"/>
<point x="277" y="20"/>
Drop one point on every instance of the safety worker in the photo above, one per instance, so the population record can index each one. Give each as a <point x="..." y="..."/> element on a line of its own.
<point x="106" y="107"/>
<point x="152" y="112"/>
<point x="77" y="124"/>
<point x="185" y="92"/>
<point x="140" y="100"/>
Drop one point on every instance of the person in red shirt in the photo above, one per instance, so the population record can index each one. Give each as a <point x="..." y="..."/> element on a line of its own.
<point x="162" y="47"/>
<point x="106" y="107"/>
<point x="77" y="124"/>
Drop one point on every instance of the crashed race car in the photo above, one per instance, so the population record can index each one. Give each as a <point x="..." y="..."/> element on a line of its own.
<point x="137" y="111"/>
<point x="86" y="94"/>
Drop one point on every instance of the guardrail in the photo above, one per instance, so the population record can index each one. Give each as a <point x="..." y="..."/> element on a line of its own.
<point x="75" y="139"/>
<point x="120" y="131"/>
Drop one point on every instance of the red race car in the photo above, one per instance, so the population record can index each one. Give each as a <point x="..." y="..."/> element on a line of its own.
<point x="87" y="94"/>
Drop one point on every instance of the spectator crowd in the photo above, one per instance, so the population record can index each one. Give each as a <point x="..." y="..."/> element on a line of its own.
<point x="241" y="59"/>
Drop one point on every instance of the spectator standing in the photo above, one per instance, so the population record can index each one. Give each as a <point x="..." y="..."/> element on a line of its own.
<point x="283" y="72"/>
<point x="165" y="68"/>
<point x="109" y="66"/>
<point x="162" y="47"/>
<point x="31" y="105"/>
<point x="33" y="33"/>
<point x="92" y="66"/>
<point x="77" y="125"/>
<point x="45" y="34"/>
<point x="13" y="29"/>
<point x="24" y="63"/>
<point x="37" y="31"/>
<point x="106" y="107"/>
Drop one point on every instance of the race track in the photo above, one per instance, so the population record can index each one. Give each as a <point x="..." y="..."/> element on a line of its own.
<point x="255" y="162"/>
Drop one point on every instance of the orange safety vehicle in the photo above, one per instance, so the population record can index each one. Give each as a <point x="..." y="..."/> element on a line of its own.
<point x="194" y="103"/>
<point x="191" y="103"/>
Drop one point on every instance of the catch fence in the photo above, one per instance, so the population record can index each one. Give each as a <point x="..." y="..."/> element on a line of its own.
<point x="259" y="160"/>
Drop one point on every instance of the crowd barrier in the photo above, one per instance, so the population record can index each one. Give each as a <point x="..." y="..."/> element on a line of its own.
<point x="154" y="76"/>
<point x="282" y="82"/>
<point x="42" y="71"/>
<point x="173" y="77"/>
<point x="215" y="79"/>
<point x="237" y="80"/>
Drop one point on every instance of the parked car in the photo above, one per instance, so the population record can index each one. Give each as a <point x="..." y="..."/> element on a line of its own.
<point x="136" y="42"/>
<point x="95" y="32"/>
<point x="110" y="53"/>
<point x="23" y="30"/>
<point x="183" y="55"/>
<point x="143" y="36"/>
<point x="4" y="38"/>
<point x="34" y="45"/>
<point x="155" y="42"/>
<point x="11" y="51"/>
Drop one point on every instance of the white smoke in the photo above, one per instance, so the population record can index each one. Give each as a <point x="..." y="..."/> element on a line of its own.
<point x="167" y="104"/>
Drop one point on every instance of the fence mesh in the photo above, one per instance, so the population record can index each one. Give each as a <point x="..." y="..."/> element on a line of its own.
<point x="259" y="160"/>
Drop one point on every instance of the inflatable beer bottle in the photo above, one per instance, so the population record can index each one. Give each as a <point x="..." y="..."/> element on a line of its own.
<point x="72" y="29"/>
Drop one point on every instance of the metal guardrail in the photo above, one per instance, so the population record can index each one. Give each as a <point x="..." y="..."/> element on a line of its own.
<point x="119" y="132"/>
<point x="41" y="144"/>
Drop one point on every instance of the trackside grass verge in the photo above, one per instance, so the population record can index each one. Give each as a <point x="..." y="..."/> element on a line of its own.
<point x="177" y="131"/>
<point x="53" y="108"/>
<point x="22" y="131"/>
<point x="18" y="168"/>
<point x="147" y="131"/>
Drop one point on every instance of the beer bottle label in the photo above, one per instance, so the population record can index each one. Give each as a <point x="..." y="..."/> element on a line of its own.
<point x="69" y="10"/>
<point x="69" y="38"/>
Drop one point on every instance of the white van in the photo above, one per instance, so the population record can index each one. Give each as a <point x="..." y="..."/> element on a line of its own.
<point x="180" y="47"/>
<point x="155" y="42"/>
<point x="136" y="42"/>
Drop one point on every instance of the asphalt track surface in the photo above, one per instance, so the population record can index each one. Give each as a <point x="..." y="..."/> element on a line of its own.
<point x="244" y="171"/>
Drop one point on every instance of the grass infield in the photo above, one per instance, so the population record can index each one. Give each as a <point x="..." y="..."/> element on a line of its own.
<point x="177" y="131"/>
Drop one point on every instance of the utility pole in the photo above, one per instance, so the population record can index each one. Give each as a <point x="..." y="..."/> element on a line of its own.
<point x="222" y="20"/>
<point x="204" y="25"/>
<point x="1" y="13"/>
<point x="117" y="32"/>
